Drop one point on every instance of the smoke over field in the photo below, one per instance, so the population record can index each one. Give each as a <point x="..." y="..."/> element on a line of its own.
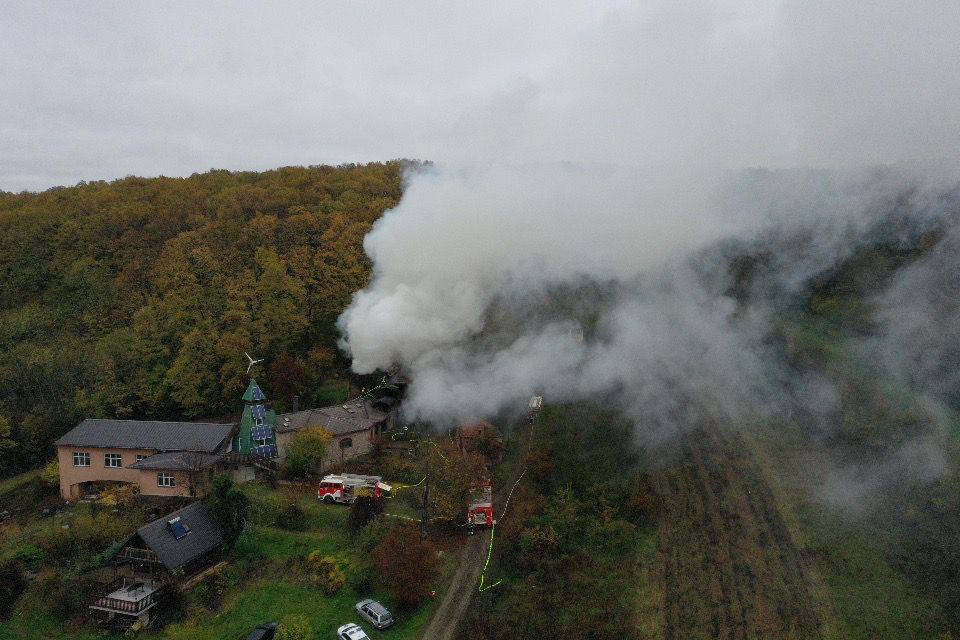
<point x="481" y="281"/>
<point x="696" y="283"/>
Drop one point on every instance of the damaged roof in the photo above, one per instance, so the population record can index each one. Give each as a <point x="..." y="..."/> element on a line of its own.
<point x="148" y="434"/>
<point x="203" y="536"/>
<point x="339" y="420"/>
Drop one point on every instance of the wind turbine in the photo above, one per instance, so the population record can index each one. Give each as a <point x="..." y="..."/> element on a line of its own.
<point x="252" y="361"/>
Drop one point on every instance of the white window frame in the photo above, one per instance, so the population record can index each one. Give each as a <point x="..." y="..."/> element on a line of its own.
<point x="81" y="459"/>
<point x="165" y="479"/>
<point x="141" y="457"/>
<point x="258" y="422"/>
<point x="110" y="457"/>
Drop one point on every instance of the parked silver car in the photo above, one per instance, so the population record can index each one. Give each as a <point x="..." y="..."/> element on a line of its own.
<point x="375" y="612"/>
<point x="351" y="631"/>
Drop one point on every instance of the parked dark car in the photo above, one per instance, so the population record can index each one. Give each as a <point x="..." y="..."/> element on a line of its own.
<point x="264" y="632"/>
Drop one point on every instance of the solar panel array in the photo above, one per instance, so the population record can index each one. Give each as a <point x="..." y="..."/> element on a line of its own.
<point x="179" y="528"/>
<point x="264" y="432"/>
<point x="258" y="411"/>
<point x="267" y="451"/>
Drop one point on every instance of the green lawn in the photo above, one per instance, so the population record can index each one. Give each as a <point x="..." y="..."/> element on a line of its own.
<point x="271" y="599"/>
<point x="32" y="620"/>
<point x="268" y="557"/>
<point x="263" y="581"/>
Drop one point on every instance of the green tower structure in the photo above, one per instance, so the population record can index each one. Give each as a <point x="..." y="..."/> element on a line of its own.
<point x="258" y="425"/>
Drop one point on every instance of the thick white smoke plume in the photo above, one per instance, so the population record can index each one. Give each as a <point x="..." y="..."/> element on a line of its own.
<point x="488" y="272"/>
<point x="459" y="239"/>
<point x="480" y="280"/>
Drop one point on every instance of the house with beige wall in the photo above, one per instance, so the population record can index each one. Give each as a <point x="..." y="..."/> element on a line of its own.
<point x="160" y="458"/>
<point x="354" y="425"/>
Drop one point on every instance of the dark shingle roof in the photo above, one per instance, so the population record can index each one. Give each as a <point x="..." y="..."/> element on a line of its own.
<point x="148" y="434"/>
<point x="338" y="420"/>
<point x="204" y="536"/>
<point x="177" y="461"/>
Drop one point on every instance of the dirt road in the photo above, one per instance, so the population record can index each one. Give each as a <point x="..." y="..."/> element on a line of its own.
<point x="463" y="585"/>
<point x="731" y="569"/>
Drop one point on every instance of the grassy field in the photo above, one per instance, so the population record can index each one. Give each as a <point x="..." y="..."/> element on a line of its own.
<point x="865" y="596"/>
<point x="263" y="581"/>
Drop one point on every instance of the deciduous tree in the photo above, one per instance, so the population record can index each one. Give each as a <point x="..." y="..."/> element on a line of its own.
<point x="407" y="565"/>
<point x="306" y="452"/>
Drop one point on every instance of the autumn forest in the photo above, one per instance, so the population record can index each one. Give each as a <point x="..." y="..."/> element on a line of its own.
<point x="138" y="298"/>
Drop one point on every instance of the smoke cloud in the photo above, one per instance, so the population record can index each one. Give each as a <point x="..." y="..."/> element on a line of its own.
<point x="615" y="275"/>
<point x="485" y="279"/>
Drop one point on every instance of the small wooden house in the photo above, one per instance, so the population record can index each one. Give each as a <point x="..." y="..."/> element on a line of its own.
<point x="161" y="556"/>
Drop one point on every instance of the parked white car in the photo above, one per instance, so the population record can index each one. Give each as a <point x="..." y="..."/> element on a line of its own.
<point x="351" y="631"/>
<point x="376" y="613"/>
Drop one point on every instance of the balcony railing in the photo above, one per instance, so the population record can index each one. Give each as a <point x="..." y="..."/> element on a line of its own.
<point x="128" y="597"/>
<point x="243" y="459"/>
<point x="132" y="554"/>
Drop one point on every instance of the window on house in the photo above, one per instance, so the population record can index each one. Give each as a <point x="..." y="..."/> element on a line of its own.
<point x="165" y="480"/>
<point x="112" y="460"/>
<point x="140" y="457"/>
<point x="258" y="421"/>
<point x="346" y="443"/>
<point x="81" y="459"/>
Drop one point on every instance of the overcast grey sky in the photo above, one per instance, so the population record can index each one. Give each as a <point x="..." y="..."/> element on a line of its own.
<point x="98" y="90"/>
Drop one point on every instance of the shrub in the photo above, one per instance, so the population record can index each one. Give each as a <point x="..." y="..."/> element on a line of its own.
<point x="88" y="534"/>
<point x="327" y="574"/>
<point x="209" y="593"/>
<point x="294" y="628"/>
<point x="119" y="496"/>
<point x="362" y="511"/>
<point x="202" y="593"/>
<point x="372" y="535"/>
<point x="66" y="594"/>
<point x="51" y="473"/>
<point x="230" y="507"/>
<point x="406" y="565"/>
<point x="306" y="452"/>
<point x="28" y="555"/>
<point x="362" y="580"/>
<point x="292" y="517"/>
<point x="135" y="628"/>
<point x="12" y="584"/>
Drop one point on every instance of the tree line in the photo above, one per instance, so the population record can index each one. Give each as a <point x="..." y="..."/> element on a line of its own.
<point x="137" y="298"/>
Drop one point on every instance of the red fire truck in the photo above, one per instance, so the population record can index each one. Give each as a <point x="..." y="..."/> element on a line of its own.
<point x="480" y="511"/>
<point x="345" y="487"/>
